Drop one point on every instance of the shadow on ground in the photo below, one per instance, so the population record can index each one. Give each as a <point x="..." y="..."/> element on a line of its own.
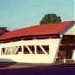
<point x="62" y="69"/>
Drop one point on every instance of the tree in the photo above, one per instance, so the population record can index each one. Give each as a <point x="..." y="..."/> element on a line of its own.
<point x="50" y="18"/>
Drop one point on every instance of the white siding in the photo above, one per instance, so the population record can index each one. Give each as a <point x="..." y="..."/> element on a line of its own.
<point x="71" y="31"/>
<point x="33" y="58"/>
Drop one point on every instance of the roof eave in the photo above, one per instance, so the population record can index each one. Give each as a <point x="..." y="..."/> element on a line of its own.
<point x="66" y="29"/>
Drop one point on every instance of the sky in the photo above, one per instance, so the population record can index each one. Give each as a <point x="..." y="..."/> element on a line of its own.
<point x="15" y="14"/>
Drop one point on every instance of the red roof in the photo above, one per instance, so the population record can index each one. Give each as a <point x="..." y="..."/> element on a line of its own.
<point x="54" y="28"/>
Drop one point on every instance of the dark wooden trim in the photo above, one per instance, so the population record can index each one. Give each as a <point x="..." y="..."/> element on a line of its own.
<point x="30" y="38"/>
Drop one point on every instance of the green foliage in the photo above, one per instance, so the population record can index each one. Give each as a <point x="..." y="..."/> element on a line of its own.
<point x="50" y="18"/>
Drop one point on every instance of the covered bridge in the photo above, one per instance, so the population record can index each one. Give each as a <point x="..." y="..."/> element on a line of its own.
<point x="40" y="43"/>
